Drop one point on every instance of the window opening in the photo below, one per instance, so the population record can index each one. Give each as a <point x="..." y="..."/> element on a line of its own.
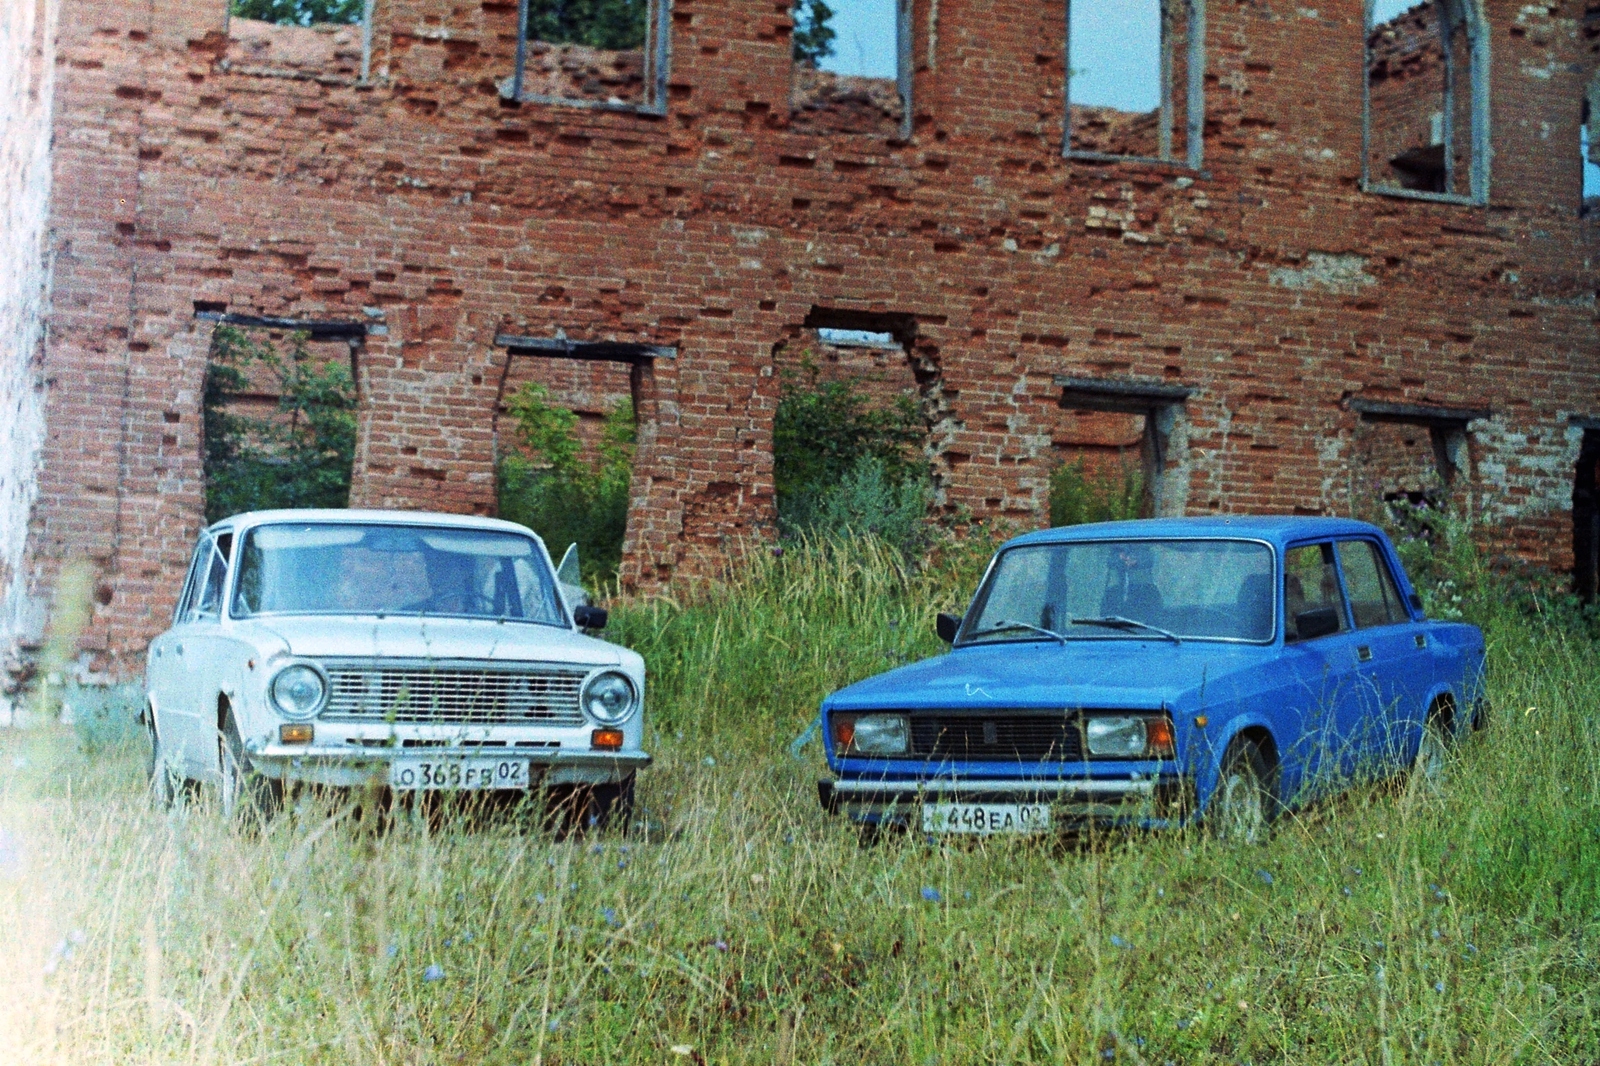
<point x="279" y="415"/>
<point x="1135" y="86"/>
<point x="1426" y="100"/>
<point x="610" y="54"/>
<point x="1586" y="517"/>
<point x="1111" y="448"/>
<point x="566" y="438"/>
<point x="852" y="67"/>
<point x="1412" y="456"/>
<point x="1589" y="145"/>
<point x="327" y="40"/>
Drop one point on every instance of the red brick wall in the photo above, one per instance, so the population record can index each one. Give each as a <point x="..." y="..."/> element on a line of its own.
<point x="429" y="206"/>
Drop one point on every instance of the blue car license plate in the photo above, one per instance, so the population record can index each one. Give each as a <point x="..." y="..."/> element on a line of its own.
<point x="473" y="774"/>
<point x="985" y="818"/>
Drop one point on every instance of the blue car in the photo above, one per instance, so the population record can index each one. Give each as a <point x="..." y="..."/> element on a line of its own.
<point x="1157" y="672"/>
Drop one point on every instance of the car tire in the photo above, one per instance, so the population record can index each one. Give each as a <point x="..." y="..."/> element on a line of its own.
<point x="1430" y="770"/>
<point x="161" y="778"/>
<point x="245" y="793"/>
<point x="582" y="808"/>
<point x="1243" y="804"/>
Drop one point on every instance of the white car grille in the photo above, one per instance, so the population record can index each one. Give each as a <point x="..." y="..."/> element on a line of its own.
<point x="433" y="694"/>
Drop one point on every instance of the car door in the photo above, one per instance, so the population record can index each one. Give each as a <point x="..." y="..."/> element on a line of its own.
<point x="1392" y="657"/>
<point x="165" y="672"/>
<point x="1319" y="651"/>
<point x="195" y="735"/>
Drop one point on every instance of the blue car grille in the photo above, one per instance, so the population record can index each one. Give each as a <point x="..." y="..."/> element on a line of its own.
<point x="1054" y="737"/>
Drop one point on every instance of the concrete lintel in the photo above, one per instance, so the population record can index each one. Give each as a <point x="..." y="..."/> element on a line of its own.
<point x="318" y="329"/>
<point x="604" y="351"/>
<point x="1134" y="395"/>
<point x="1417" y="413"/>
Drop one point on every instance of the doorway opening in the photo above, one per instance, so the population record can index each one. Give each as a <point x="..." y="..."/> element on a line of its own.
<point x="1110" y="448"/>
<point x="566" y="438"/>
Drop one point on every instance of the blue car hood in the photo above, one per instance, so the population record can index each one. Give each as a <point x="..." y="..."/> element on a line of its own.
<point x="1090" y="673"/>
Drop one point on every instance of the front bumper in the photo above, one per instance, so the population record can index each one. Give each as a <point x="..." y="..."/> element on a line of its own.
<point x="1143" y="800"/>
<point x="343" y="766"/>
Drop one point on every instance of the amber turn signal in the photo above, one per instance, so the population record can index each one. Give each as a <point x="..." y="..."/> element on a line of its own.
<point x="844" y="734"/>
<point x="1158" y="738"/>
<point x="606" y="739"/>
<point x="296" y="733"/>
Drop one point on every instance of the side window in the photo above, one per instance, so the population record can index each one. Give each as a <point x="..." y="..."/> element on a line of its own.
<point x="191" y="583"/>
<point x="1313" y="605"/>
<point x="208" y="603"/>
<point x="1374" y="600"/>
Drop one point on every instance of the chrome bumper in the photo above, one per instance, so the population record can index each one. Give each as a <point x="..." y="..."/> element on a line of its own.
<point x="348" y="766"/>
<point x="878" y="799"/>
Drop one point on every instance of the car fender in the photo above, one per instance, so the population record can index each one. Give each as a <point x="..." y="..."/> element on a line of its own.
<point x="1218" y="743"/>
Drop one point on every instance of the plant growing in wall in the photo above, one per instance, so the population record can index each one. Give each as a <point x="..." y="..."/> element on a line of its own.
<point x="552" y="489"/>
<point x="299" y="457"/>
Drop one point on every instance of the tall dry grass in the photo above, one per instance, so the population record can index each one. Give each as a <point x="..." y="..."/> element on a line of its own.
<point x="1389" y="926"/>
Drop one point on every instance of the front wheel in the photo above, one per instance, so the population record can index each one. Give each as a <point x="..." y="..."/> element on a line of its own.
<point x="163" y="782"/>
<point x="1243" y="804"/>
<point x="245" y="792"/>
<point x="1430" y="770"/>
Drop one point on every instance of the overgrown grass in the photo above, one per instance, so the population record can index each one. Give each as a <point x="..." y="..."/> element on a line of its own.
<point x="1388" y="926"/>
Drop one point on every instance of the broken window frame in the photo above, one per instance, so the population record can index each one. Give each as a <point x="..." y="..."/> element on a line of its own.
<point x="1195" y="91"/>
<point x="1446" y="426"/>
<point x="1468" y="15"/>
<point x="903" y="30"/>
<point x="657" y="63"/>
<point x="1159" y="402"/>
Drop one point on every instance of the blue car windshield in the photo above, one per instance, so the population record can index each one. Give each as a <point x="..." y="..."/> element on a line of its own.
<point x="1126" y="589"/>
<point x="350" y="568"/>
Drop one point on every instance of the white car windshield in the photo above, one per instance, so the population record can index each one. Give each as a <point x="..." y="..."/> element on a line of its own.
<point x="350" y="568"/>
<point x="1120" y="589"/>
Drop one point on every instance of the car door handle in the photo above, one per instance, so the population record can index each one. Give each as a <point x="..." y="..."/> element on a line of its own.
<point x="1422" y="640"/>
<point x="1364" y="653"/>
<point x="178" y="648"/>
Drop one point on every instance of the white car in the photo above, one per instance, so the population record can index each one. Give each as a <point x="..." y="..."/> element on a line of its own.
<point x="405" y="650"/>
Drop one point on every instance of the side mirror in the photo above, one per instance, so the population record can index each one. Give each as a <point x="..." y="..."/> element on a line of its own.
<point x="947" y="625"/>
<point x="1317" y="622"/>
<point x="590" y="617"/>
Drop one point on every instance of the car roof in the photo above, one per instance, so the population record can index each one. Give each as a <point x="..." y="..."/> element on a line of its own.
<point x="1274" y="529"/>
<point x="239" y="522"/>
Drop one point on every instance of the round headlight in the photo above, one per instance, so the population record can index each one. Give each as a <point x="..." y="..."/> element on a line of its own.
<point x="298" y="691"/>
<point x="609" y="698"/>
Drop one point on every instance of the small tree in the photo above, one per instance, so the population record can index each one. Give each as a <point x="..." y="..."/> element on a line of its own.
<point x="300" y="12"/>
<point x="813" y="37"/>
<point x="610" y="24"/>
<point x="301" y="458"/>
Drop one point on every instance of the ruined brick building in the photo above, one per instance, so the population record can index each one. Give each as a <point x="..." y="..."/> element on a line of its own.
<point x="1290" y="287"/>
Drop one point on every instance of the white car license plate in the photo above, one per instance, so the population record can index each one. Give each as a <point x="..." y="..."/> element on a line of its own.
<point x="472" y="774"/>
<point x="985" y="818"/>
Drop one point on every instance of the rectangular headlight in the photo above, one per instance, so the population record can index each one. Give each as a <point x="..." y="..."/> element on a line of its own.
<point x="871" y="734"/>
<point x="1119" y="737"/>
<point x="1129" y="736"/>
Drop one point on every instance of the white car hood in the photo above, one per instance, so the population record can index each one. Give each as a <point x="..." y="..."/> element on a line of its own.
<point x="325" y="637"/>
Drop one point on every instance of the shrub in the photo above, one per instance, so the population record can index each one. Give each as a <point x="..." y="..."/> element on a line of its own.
<point x="1079" y="495"/>
<point x="301" y="458"/>
<point x="299" y="12"/>
<point x="556" y="493"/>
<point x="840" y="464"/>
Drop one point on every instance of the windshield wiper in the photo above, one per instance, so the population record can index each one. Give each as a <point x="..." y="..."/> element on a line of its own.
<point x="1117" y="621"/>
<point x="1005" y="624"/>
